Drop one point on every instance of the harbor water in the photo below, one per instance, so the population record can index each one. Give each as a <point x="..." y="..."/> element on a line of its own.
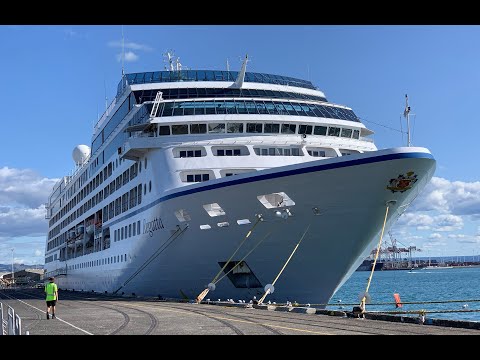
<point x="416" y="285"/>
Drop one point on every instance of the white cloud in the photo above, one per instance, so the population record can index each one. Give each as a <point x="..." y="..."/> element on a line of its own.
<point x="456" y="236"/>
<point x="433" y="245"/>
<point x="454" y="197"/>
<point x="423" y="227"/>
<point x="23" y="187"/>
<point x="442" y="222"/>
<point x="23" y="222"/>
<point x="411" y="219"/>
<point x="130" y="56"/>
<point x="129" y="45"/>
<point x="435" y="236"/>
<point x="448" y="222"/>
<point x="22" y="249"/>
<point x="23" y="227"/>
<point x="474" y="240"/>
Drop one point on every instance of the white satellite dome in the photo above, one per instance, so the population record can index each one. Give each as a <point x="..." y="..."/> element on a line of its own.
<point x="80" y="154"/>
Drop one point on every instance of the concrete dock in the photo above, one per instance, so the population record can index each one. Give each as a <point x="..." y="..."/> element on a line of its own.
<point x="80" y="313"/>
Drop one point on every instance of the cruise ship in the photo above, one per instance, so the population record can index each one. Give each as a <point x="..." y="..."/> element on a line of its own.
<point x="197" y="178"/>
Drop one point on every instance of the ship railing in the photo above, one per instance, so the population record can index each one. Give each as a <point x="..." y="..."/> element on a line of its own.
<point x="75" y="171"/>
<point x="105" y="115"/>
<point x="367" y="139"/>
<point x="57" y="272"/>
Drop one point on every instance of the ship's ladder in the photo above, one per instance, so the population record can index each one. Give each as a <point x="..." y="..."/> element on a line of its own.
<point x="156" y="104"/>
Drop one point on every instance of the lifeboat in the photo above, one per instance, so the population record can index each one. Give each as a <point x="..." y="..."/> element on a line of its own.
<point x="90" y="229"/>
<point x="80" y="229"/>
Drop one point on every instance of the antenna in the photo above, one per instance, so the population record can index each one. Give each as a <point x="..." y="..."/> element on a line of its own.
<point x="168" y="57"/>
<point x="228" y="65"/>
<point x="123" y="52"/>
<point x="406" y="114"/>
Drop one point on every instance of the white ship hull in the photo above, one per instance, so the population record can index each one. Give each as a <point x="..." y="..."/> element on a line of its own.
<point x="350" y="193"/>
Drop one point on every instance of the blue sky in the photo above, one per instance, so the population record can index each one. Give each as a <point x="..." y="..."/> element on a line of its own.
<point x="54" y="81"/>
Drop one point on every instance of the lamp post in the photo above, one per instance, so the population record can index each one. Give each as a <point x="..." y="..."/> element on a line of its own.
<point x="13" y="274"/>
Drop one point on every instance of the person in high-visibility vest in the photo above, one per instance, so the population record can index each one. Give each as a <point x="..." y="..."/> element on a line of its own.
<point x="51" y="290"/>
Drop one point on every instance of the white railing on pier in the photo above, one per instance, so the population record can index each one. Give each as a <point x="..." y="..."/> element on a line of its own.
<point x="12" y="325"/>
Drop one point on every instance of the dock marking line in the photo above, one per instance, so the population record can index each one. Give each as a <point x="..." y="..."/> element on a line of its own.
<point x="66" y="322"/>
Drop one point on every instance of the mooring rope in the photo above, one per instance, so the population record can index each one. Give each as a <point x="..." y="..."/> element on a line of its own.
<point x="393" y="303"/>
<point x="364" y="298"/>
<point x="152" y="257"/>
<point x="422" y="312"/>
<point x="202" y="295"/>
<point x="242" y="259"/>
<point x="284" y="266"/>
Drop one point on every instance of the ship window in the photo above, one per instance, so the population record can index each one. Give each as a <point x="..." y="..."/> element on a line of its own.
<point x="163" y="130"/>
<point x="216" y="128"/>
<point x="198" y="128"/>
<point x="144" y="189"/>
<point x="182" y="215"/>
<point x="275" y="200"/>
<point x="333" y="131"/>
<point x="272" y="128"/>
<point x="190" y="153"/>
<point x="214" y="209"/>
<point x="179" y="129"/>
<point x="316" y="153"/>
<point x="305" y="129"/>
<point x="346" y="133"/>
<point x="134" y="229"/>
<point x="121" y="238"/>
<point x="278" y="151"/>
<point x="197" y="177"/>
<point x="234" y="127"/>
<point x="320" y="130"/>
<point x="129" y="230"/>
<point x="254" y="127"/>
<point x="289" y="128"/>
<point x="150" y="186"/>
<point x="356" y="134"/>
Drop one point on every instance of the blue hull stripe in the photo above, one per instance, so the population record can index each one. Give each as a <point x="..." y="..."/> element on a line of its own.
<point x="303" y="170"/>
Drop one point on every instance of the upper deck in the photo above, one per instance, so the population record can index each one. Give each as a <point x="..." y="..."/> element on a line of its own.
<point x="211" y="75"/>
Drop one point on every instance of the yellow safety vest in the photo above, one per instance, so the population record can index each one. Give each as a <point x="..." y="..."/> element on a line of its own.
<point x="51" y="289"/>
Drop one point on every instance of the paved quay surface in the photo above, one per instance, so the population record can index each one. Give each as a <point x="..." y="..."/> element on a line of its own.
<point x="81" y="313"/>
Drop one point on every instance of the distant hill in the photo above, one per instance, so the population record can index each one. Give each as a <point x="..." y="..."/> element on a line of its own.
<point x="18" y="267"/>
